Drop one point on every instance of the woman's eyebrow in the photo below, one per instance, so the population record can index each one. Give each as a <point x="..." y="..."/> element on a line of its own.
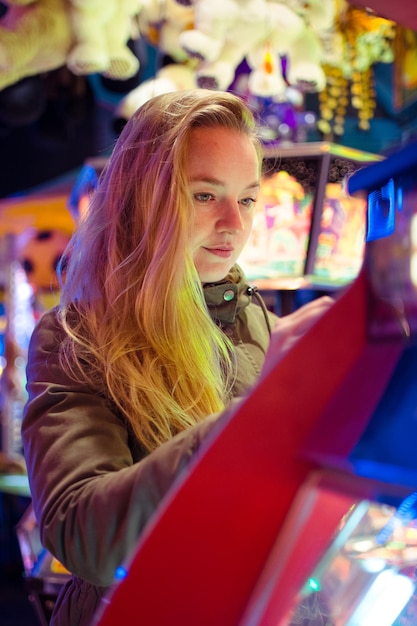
<point x="208" y="179"/>
<point x="219" y="183"/>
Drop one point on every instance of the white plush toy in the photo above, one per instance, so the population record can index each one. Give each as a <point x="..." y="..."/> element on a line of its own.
<point x="101" y="31"/>
<point x="318" y="14"/>
<point x="35" y="37"/>
<point x="265" y="59"/>
<point x="262" y="32"/>
<point x="172" y="77"/>
<point x="228" y="31"/>
<point x="306" y="55"/>
<point x="162" y="22"/>
<point x="305" y="69"/>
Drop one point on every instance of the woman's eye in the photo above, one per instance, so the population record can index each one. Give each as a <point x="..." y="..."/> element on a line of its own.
<point x="203" y="197"/>
<point x="248" y="202"/>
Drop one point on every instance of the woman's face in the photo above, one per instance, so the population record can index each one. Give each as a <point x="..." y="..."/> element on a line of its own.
<point x="223" y="170"/>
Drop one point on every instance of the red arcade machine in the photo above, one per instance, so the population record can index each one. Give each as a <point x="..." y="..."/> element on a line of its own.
<point x="302" y="508"/>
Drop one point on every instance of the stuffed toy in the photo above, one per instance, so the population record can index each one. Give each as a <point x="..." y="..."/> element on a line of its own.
<point x="161" y="23"/>
<point x="101" y="32"/>
<point x="317" y="14"/>
<point x="35" y="37"/>
<point x="88" y="36"/>
<point x="39" y="252"/>
<point x="263" y="33"/>
<point x="304" y="60"/>
<point x="224" y="31"/>
<point x="305" y="56"/>
<point x="172" y="77"/>
<point x="266" y="59"/>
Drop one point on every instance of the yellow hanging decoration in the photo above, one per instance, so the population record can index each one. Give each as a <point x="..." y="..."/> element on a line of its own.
<point x="333" y="101"/>
<point x="363" y="39"/>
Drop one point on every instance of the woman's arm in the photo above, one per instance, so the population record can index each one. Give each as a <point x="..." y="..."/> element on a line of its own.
<point x="91" y="499"/>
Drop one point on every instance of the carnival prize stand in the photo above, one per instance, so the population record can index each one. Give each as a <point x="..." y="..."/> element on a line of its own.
<point x="292" y="513"/>
<point x="307" y="231"/>
<point x="23" y="298"/>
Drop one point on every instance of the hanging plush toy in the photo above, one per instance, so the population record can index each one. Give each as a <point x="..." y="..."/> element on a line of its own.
<point x="266" y="58"/>
<point x="172" y="77"/>
<point x="35" y="37"/>
<point x="101" y="31"/>
<point x="262" y="32"/>
<point x="223" y="34"/>
<point x="161" y="23"/>
<point x="88" y="36"/>
<point x="300" y="46"/>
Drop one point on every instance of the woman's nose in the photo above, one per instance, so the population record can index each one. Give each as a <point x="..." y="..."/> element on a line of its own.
<point x="230" y="219"/>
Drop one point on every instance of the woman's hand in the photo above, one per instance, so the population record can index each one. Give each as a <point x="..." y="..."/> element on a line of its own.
<point x="291" y="327"/>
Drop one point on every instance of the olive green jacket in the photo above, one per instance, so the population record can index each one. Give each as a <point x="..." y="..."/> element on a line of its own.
<point x="93" y="489"/>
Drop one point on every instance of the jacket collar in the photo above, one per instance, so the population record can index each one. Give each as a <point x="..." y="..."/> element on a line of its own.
<point x="228" y="297"/>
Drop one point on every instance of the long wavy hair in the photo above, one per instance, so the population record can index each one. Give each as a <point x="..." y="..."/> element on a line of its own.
<point x="132" y="305"/>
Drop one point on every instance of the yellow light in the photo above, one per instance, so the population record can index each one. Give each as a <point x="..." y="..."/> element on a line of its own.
<point x="268" y="61"/>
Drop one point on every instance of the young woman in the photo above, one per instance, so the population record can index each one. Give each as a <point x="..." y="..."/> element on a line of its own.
<point x="157" y="330"/>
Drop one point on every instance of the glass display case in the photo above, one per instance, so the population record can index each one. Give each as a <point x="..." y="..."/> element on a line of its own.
<point x="363" y="573"/>
<point x="307" y="230"/>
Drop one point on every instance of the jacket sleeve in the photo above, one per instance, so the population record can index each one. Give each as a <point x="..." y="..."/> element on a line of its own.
<point x="90" y="498"/>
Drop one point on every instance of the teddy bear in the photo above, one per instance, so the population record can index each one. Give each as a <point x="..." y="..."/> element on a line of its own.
<point x="101" y="32"/>
<point x="161" y="23"/>
<point x="266" y="59"/>
<point x="306" y="54"/>
<point x="88" y="36"/>
<point x="171" y="77"/>
<point x="223" y="32"/>
<point x="35" y="37"/>
<point x="304" y="63"/>
<point x="263" y="33"/>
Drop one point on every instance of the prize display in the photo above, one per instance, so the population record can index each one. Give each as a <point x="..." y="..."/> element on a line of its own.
<point x="306" y="225"/>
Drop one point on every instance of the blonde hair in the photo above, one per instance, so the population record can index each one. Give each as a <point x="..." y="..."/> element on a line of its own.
<point x="137" y="326"/>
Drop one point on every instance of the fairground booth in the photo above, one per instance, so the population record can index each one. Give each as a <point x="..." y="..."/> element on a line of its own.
<point x="306" y="515"/>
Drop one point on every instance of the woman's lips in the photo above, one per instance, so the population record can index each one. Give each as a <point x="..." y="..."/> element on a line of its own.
<point x="223" y="252"/>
